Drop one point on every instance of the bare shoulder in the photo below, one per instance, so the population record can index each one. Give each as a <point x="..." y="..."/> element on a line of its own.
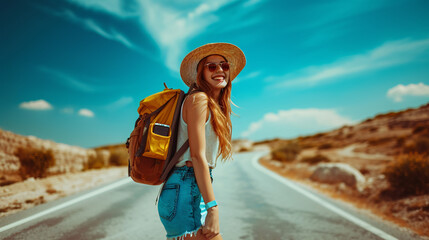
<point x="196" y="105"/>
<point x="199" y="97"/>
<point x="196" y="100"/>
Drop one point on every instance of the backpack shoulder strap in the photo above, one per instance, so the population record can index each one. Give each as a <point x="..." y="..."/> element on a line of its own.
<point x="167" y="170"/>
<point x="174" y="160"/>
<point x="182" y="149"/>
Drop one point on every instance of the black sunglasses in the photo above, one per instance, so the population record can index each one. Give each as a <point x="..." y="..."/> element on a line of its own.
<point x="212" y="66"/>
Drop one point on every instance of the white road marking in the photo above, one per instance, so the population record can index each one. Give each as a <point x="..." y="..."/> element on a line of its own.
<point x="66" y="204"/>
<point x="320" y="201"/>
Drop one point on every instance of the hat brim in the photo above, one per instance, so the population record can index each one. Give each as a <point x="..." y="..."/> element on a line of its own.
<point x="232" y="54"/>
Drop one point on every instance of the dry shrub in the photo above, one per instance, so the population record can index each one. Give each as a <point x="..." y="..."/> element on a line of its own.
<point x="34" y="162"/>
<point x="378" y="141"/>
<point x="409" y="174"/>
<point x="286" y="153"/>
<point x="319" y="135"/>
<point x="364" y="170"/>
<point x="118" y="157"/>
<point x="400" y="141"/>
<point x="315" y="159"/>
<point x="373" y="129"/>
<point x="420" y="128"/>
<point x="388" y="115"/>
<point x="325" y="146"/>
<point x="305" y="145"/>
<point x="421" y="145"/>
<point x="266" y="141"/>
<point x="350" y="135"/>
<point x="95" y="161"/>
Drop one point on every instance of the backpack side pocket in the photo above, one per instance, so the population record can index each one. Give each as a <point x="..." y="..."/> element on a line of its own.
<point x="157" y="144"/>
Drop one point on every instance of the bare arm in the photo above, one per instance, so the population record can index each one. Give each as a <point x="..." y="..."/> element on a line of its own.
<point x="195" y="115"/>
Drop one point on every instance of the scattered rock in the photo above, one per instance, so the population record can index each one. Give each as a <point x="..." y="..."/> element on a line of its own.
<point x="342" y="187"/>
<point x="276" y="163"/>
<point x="338" y="173"/>
<point x="35" y="201"/>
<point x="51" y="191"/>
<point x="31" y="179"/>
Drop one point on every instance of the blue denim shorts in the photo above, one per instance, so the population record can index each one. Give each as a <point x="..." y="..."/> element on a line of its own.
<point x="181" y="207"/>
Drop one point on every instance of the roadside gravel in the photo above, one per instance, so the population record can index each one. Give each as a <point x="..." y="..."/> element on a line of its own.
<point x="29" y="193"/>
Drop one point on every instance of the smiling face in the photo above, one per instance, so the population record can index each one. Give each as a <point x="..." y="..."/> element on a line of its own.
<point x="219" y="78"/>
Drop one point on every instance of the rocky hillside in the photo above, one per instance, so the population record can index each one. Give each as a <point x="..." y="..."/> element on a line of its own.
<point x="67" y="158"/>
<point x="381" y="164"/>
<point x="390" y="134"/>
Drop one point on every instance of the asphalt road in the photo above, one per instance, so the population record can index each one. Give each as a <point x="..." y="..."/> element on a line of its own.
<point x="253" y="203"/>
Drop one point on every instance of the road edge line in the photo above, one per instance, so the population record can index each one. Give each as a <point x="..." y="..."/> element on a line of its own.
<point x="342" y="213"/>
<point x="66" y="204"/>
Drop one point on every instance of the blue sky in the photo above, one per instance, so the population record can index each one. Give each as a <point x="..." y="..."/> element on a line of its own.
<point x="74" y="71"/>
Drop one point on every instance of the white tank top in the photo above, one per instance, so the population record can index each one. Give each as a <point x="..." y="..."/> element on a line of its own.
<point x="212" y="142"/>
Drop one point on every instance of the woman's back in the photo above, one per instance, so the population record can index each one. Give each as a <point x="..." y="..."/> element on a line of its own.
<point x="212" y="142"/>
<point x="187" y="206"/>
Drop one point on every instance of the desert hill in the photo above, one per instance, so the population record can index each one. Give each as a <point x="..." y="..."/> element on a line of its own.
<point x="381" y="164"/>
<point x="67" y="158"/>
<point x="75" y="169"/>
<point x="391" y="134"/>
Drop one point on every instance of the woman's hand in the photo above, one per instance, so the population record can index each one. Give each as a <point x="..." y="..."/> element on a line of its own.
<point x="211" y="227"/>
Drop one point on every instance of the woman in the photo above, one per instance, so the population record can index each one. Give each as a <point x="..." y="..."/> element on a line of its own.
<point x="187" y="205"/>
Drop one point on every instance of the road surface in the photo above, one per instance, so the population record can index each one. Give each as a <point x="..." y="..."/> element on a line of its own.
<point x="253" y="203"/>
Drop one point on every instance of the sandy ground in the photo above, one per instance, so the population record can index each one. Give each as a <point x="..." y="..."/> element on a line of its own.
<point x="24" y="195"/>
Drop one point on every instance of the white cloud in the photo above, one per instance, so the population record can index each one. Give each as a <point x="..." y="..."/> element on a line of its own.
<point x="114" y="7"/>
<point x="295" y="122"/>
<point x="36" y="105"/>
<point x="68" y="80"/>
<point x="172" y="28"/>
<point x="92" y="25"/>
<point x="123" y="101"/>
<point x="387" y="55"/>
<point x="246" y="77"/>
<point x="81" y="83"/>
<point x="251" y="3"/>
<point x="399" y="91"/>
<point x="86" y="112"/>
<point x="170" y="24"/>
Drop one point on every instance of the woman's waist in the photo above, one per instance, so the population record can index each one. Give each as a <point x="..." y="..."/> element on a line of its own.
<point x="189" y="164"/>
<point x="186" y="170"/>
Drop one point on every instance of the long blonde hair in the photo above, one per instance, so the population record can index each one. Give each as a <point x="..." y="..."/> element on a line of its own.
<point x="220" y="111"/>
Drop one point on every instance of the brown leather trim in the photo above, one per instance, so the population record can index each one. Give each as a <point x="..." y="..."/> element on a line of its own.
<point x="174" y="128"/>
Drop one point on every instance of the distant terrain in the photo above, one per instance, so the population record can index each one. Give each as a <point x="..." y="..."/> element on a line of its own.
<point x="381" y="164"/>
<point x="34" y="171"/>
<point x="352" y="163"/>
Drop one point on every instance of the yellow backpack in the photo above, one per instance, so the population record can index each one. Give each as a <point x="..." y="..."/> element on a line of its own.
<point x="152" y="143"/>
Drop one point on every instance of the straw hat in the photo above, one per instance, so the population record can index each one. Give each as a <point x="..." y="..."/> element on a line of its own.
<point x="232" y="54"/>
